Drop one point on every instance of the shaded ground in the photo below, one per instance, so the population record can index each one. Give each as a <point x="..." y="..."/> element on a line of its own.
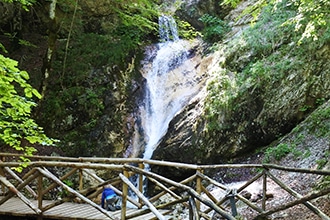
<point x="309" y="157"/>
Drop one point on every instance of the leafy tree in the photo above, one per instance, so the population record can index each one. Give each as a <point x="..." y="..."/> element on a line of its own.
<point x="16" y="103"/>
<point x="214" y="29"/>
<point x="17" y="128"/>
<point x="312" y="17"/>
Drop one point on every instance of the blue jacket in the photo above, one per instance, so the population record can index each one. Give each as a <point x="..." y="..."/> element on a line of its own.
<point x="107" y="194"/>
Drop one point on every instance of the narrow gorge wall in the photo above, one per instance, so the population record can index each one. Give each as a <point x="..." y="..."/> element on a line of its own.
<point x="260" y="87"/>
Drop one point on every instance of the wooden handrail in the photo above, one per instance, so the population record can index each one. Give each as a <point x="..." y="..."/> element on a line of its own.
<point x="298" y="196"/>
<point x="142" y="197"/>
<point x="120" y="165"/>
<point x="49" y="175"/>
<point x="187" y="188"/>
<point x="103" y="163"/>
<point x="15" y="191"/>
<point x="303" y="199"/>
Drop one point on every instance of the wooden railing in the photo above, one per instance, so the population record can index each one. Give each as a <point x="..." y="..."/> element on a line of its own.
<point x="41" y="179"/>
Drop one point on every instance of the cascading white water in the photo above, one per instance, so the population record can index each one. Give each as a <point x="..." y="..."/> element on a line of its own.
<point x="168" y="30"/>
<point x="170" y="83"/>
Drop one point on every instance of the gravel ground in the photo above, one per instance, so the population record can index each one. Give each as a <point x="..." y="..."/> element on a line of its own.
<point x="313" y="152"/>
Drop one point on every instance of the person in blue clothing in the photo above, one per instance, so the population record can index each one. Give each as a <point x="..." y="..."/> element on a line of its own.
<point x="109" y="199"/>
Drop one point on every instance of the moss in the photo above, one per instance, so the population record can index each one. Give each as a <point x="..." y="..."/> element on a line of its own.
<point x="320" y="122"/>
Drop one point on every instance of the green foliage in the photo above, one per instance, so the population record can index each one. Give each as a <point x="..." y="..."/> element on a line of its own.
<point x="17" y="128"/>
<point x="214" y="28"/>
<point x="305" y="108"/>
<point x="186" y="31"/>
<point x="266" y="71"/>
<point x="92" y="50"/>
<point x="321" y="163"/>
<point x="131" y="23"/>
<point x="25" y="3"/>
<point x="324" y="184"/>
<point x="64" y="193"/>
<point x="268" y="34"/>
<point x="320" y="122"/>
<point x="232" y="3"/>
<point x="311" y="18"/>
<point x="279" y="151"/>
<point x="16" y="103"/>
<point x="254" y="10"/>
<point x="221" y="92"/>
<point x="2" y="48"/>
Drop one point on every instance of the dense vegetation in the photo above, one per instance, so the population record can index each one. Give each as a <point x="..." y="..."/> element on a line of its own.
<point x="275" y="46"/>
<point x="18" y="98"/>
<point x="78" y="45"/>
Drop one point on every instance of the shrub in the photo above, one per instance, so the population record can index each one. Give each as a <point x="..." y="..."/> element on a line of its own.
<point x="214" y="28"/>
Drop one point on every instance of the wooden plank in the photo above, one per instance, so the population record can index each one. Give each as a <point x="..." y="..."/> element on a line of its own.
<point x="72" y="191"/>
<point x="78" y="211"/>
<point x="9" y="202"/>
<point x="59" y="210"/>
<point x="15" y="191"/>
<point x="150" y="215"/>
<point x="16" y="207"/>
<point x="70" y="211"/>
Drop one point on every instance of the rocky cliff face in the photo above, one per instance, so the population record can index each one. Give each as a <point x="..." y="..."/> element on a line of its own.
<point x="192" y="10"/>
<point x="261" y="92"/>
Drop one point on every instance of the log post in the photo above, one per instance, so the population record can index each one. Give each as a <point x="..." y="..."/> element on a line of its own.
<point x="2" y="173"/>
<point x="191" y="191"/>
<point x="40" y="193"/>
<point x="49" y="175"/>
<point x="144" y="199"/>
<point x="231" y="196"/>
<point x="15" y="191"/>
<point x="81" y="180"/>
<point x="198" y="187"/>
<point x="141" y="166"/>
<point x="124" y="199"/>
<point x="193" y="211"/>
<point x="264" y="190"/>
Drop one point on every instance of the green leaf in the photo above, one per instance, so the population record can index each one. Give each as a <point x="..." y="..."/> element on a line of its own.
<point x="28" y="92"/>
<point x="16" y="96"/>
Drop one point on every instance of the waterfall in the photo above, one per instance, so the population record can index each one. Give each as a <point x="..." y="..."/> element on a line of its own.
<point x="167" y="29"/>
<point x="170" y="83"/>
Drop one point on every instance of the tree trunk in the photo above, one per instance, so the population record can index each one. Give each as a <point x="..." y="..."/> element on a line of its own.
<point x="52" y="37"/>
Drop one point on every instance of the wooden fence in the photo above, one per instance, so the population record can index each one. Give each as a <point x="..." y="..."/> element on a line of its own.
<point x="45" y="174"/>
